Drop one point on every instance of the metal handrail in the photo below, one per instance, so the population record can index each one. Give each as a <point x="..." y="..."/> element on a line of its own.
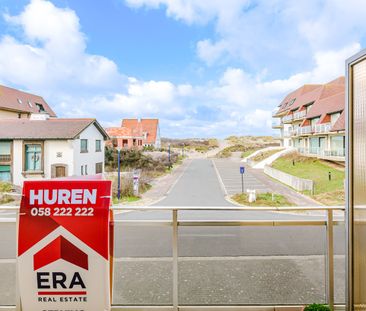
<point x="329" y="222"/>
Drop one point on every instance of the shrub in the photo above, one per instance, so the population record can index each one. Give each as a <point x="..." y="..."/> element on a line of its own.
<point x="5" y="187"/>
<point x="6" y="199"/>
<point x="317" y="307"/>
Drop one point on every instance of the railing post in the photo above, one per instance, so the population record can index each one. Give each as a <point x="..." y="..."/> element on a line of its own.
<point x="175" y="259"/>
<point x="330" y="260"/>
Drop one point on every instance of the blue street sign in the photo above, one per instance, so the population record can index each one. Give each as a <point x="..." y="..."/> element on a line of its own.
<point x="242" y="169"/>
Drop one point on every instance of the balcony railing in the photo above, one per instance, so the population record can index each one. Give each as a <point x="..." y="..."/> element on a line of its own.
<point x="149" y="280"/>
<point x="288" y="118"/>
<point x="322" y="128"/>
<point x="5" y="158"/>
<point x="304" y="130"/>
<point x="340" y="152"/>
<point x="299" y="115"/>
<point x="320" y="152"/>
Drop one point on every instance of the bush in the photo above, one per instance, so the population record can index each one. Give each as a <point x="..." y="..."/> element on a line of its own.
<point x="5" y="187"/>
<point x="127" y="186"/>
<point x="4" y="199"/>
<point x="317" y="307"/>
<point x="136" y="159"/>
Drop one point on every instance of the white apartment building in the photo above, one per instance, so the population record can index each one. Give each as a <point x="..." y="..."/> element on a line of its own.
<point x="312" y="120"/>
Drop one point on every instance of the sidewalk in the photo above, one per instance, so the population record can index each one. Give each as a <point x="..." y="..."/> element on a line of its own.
<point x="161" y="186"/>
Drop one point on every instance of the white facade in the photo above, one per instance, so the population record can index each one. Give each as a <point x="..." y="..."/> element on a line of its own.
<point x="60" y="154"/>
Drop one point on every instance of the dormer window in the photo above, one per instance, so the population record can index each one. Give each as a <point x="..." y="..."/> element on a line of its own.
<point x="19" y="101"/>
<point x="30" y="104"/>
<point x="40" y="107"/>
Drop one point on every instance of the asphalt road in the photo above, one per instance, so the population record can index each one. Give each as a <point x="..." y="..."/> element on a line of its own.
<point x="218" y="265"/>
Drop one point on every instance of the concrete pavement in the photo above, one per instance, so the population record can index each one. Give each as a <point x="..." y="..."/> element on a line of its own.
<point x="228" y="170"/>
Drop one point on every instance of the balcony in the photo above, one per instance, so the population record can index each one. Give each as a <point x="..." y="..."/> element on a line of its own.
<point x="277" y="124"/>
<point x="223" y="259"/>
<point x="304" y="130"/>
<point x="288" y="133"/>
<point x="5" y="158"/>
<point x="288" y="118"/>
<point x="322" y="128"/>
<point x="299" y="115"/>
<point x="326" y="154"/>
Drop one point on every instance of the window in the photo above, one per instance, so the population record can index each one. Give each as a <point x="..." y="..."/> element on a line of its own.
<point x="86" y="170"/>
<point x="83" y="145"/>
<point x="40" y="107"/>
<point x="5" y="173"/>
<point x="99" y="168"/>
<point x="5" y="151"/>
<point x="98" y="145"/>
<point x="33" y="157"/>
<point x="82" y="170"/>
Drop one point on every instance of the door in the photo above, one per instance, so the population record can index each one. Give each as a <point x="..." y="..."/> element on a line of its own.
<point x="60" y="171"/>
<point x="322" y="145"/>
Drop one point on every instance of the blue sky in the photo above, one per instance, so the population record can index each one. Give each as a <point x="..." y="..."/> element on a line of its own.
<point x="204" y="67"/>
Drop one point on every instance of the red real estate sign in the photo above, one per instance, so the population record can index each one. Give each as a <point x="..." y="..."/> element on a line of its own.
<point x="63" y="245"/>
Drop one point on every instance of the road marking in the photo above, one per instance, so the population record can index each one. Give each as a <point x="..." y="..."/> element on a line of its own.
<point x="179" y="177"/>
<point x="222" y="185"/>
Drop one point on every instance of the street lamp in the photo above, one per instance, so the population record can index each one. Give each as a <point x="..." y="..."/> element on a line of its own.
<point x="119" y="173"/>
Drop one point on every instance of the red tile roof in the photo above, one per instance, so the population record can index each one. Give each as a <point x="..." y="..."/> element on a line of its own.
<point x="295" y="95"/>
<point x="327" y="105"/>
<point x="119" y="132"/>
<point x="139" y="127"/>
<point x="150" y="126"/>
<point x="19" y="101"/>
<point x="340" y="80"/>
<point x="134" y="125"/>
<point x="45" y="129"/>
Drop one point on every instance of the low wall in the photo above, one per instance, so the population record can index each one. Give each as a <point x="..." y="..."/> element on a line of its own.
<point x="297" y="183"/>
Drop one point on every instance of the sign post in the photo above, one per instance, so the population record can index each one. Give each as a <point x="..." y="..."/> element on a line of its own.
<point x="136" y="182"/>
<point x="63" y="246"/>
<point x="242" y="171"/>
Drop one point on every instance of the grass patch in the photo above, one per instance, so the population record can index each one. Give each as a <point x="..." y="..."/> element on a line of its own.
<point x="264" y="155"/>
<point x="263" y="199"/>
<point x="329" y="192"/>
<point x="129" y="199"/>
<point x="247" y="153"/>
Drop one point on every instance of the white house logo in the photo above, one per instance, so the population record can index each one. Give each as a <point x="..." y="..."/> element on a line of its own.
<point x="56" y="283"/>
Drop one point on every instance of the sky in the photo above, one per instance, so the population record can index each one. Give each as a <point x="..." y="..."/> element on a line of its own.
<point x="205" y="68"/>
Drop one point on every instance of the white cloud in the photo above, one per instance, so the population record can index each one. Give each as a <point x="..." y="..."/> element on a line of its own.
<point x="52" y="54"/>
<point x="273" y="34"/>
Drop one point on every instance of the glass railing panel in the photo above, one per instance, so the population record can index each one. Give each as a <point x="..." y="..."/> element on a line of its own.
<point x="7" y="262"/>
<point x="143" y="272"/>
<point x="340" y="263"/>
<point x="252" y="265"/>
